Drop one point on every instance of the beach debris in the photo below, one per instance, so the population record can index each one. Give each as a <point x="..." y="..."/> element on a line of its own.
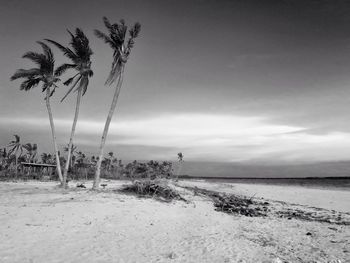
<point x="234" y="204"/>
<point x="239" y="205"/>
<point x="308" y="234"/>
<point x="309" y="214"/>
<point x="81" y="186"/>
<point x="158" y="189"/>
<point x="171" y="255"/>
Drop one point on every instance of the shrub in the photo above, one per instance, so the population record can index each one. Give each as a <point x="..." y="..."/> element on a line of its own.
<point x="158" y="189"/>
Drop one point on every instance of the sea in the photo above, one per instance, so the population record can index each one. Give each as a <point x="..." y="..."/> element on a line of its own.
<point x="336" y="183"/>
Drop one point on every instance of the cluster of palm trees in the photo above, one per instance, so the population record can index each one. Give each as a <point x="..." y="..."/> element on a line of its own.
<point x="80" y="165"/>
<point x="16" y="152"/>
<point x="150" y="170"/>
<point x="119" y="38"/>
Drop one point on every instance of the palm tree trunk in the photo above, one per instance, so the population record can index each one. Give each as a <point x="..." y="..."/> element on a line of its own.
<point x="16" y="164"/>
<point x="58" y="165"/>
<point x="105" y="131"/>
<point x="77" y="106"/>
<point x="179" y="170"/>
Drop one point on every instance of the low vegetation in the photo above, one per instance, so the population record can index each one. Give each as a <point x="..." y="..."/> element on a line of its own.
<point x="158" y="189"/>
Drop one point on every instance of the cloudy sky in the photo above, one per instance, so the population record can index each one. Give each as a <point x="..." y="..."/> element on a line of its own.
<point x="229" y="80"/>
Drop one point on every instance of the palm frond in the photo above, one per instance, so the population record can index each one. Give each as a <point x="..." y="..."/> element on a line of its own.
<point x="13" y="149"/>
<point x="37" y="58"/>
<point x="28" y="147"/>
<point x="45" y="86"/>
<point x="26" y="73"/>
<point x="52" y="92"/>
<point x="107" y="23"/>
<point x="66" y="51"/>
<point x="135" y="31"/>
<point x="105" y="38"/>
<point x="30" y="83"/>
<point x="70" y="80"/>
<point x="63" y="68"/>
<point x="122" y="29"/>
<point x="90" y="73"/>
<point x="70" y="90"/>
<point x="84" y="84"/>
<point x="47" y="51"/>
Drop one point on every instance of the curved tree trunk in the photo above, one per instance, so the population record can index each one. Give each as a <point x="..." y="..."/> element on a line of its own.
<point x="105" y="130"/>
<point x="77" y="106"/>
<point x="58" y="165"/>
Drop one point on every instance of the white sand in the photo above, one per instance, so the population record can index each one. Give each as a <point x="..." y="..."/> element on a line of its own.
<point x="40" y="223"/>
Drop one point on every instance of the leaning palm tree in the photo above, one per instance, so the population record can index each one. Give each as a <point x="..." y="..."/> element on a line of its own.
<point x="80" y="56"/>
<point x="121" y="45"/>
<point x="48" y="77"/>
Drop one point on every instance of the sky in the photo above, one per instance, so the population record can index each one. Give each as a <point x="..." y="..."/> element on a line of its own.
<point x="228" y="81"/>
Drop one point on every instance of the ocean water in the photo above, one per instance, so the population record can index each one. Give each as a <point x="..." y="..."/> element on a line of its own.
<point x="326" y="183"/>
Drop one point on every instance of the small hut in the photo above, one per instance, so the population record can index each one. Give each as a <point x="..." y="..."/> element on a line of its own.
<point x="38" y="169"/>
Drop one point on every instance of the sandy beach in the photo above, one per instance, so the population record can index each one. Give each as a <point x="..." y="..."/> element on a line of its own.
<point x="42" y="223"/>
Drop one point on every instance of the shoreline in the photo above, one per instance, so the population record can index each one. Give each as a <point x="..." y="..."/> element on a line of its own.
<point x="338" y="183"/>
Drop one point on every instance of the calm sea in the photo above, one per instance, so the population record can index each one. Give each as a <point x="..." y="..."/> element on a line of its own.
<point x="329" y="183"/>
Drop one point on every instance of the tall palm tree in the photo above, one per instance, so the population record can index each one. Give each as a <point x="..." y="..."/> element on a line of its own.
<point x="121" y="45"/>
<point x="46" y="75"/>
<point x="80" y="56"/>
<point x="16" y="146"/>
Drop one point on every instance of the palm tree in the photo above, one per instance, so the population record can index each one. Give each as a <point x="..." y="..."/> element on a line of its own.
<point x="46" y="158"/>
<point x="72" y="151"/>
<point x="31" y="150"/>
<point x="3" y="156"/>
<point x="80" y="56"/>
<point x="109" y="160"/>
<point x="46" y="75"/>
<point x="116" y="39"/>
<point x="180" y="157"/>
<point x="15" y="146"/>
